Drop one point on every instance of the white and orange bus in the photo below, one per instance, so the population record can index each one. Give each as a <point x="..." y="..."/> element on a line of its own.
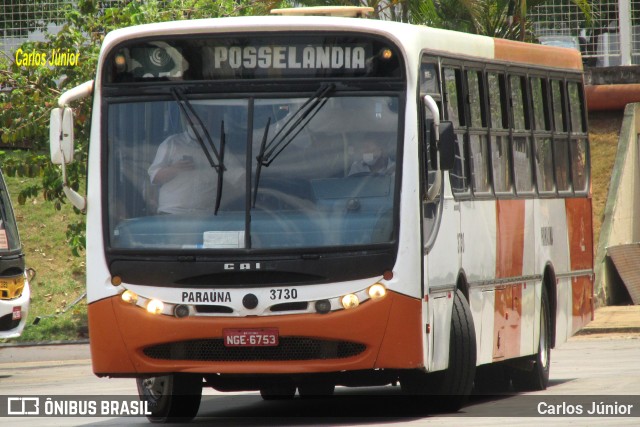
<point x="289" y="203"/>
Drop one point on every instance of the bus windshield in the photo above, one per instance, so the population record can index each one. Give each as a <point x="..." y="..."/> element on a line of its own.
<point x="9" y="239"/>
<point x="297" y="171"/>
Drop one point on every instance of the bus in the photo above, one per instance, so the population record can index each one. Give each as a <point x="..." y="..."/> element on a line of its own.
<point x="294" y="203"/>
<point x="15" y="294"/>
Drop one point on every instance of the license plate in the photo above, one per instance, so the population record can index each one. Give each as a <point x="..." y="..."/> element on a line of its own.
<point x="17" y="313"/>
<point x="259" y="337"/>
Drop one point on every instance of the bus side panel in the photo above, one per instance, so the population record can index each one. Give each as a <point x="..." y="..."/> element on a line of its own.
<point x="478" y="226"/>
<point x="510" y="241"/>
<point x="579" y="228"/>
<point x="109" y="354"/>
<point x="440" y="309"/>
<point x="482" y="305"/>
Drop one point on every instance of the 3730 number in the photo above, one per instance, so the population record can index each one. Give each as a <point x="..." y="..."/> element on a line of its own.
<point x="286" y="293"/>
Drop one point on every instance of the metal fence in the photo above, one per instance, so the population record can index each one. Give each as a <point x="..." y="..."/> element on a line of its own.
<point x="608" y="34"/>
<point x="22" y="20"/>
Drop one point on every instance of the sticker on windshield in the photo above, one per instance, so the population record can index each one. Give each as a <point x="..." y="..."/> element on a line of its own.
<point x="223" y="239"/>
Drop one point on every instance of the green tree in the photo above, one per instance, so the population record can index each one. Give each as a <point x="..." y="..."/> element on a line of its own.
<point x="31" y="87"/>
<point x="494" y="18"/>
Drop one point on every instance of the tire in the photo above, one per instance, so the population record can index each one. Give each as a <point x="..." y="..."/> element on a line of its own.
<point x="278" y="391"/>
<point x="171" y="398"/>
<point x="450" y="389"/>
<point x="537" y="378"/>
<point x="458" y="378"/>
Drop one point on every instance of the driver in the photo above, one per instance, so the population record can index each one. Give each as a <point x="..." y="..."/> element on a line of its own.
<point x="374" y="160"/>
<point x="187" y="181"/>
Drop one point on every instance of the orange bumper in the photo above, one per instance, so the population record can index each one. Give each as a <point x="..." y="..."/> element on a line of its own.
<point x="389" y="328"/>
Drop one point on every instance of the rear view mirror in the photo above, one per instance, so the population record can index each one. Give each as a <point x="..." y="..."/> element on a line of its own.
<point x="61" y="135"/>
<point x="446" y="145"/>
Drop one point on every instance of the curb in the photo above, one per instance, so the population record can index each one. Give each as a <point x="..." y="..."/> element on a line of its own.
<point x="609" y="330"/>
<point x="43" y="343"/>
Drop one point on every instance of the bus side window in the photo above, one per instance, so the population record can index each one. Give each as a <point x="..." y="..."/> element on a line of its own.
<point x="560" y="137"/>
<point x="478" y="142"/>
<point x="500" y="147"/>
<point x="543" y="149"/>
<point x="521" y="136"/>
<point x="455" y="113"/>
<point x="429" y="79"/>
<point x="578" y="137"/>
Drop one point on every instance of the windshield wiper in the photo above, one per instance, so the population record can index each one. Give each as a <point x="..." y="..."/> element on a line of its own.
<point x="259" y="159"/>
<point x="188" y="111"/>
<point x="223" y="142"/>
<point x="291" y="128"/>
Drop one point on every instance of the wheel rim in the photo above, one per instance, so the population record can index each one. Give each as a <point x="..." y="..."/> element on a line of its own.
<point x="156" y="387"/>
<point x="544" y="351"/>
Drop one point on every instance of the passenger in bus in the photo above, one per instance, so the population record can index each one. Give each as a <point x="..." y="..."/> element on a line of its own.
<point x="375" y="160"/>
<point x="186" y="180"/>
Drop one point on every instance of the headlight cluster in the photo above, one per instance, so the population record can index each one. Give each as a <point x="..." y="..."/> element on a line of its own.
<point x="375" y="291"/>
<point x="348" y="301"/>
<point x="153" y="306"/>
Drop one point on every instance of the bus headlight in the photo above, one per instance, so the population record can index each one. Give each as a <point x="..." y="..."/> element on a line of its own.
<point x="350" y="301"/>
<point x="155" y="306"/>
<point x="377" y="291"/>
<point x="129" y="296"/>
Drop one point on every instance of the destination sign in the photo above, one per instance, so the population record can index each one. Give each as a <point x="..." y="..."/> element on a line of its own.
<point x="290" y="57"/>
<point x="253" y="57"/>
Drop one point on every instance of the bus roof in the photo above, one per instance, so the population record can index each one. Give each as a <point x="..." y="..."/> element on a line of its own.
<point x="412" y="38"/>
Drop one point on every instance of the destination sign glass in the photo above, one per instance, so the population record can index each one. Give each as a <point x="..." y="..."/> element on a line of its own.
<point x="253" y="57"/>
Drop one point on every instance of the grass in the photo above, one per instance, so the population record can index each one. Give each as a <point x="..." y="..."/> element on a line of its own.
<point x="604" y="130"/>
<point x="60" y="276"/>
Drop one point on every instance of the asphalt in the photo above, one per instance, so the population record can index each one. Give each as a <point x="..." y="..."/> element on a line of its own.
<point x="614" y="319"/>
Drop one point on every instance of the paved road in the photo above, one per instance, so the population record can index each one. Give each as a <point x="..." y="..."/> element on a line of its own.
<point x="587" y="365"/>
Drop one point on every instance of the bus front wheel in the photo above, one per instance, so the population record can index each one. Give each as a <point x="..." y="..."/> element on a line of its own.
<point x="171" y="398"/>
<point x="450" y="388"/>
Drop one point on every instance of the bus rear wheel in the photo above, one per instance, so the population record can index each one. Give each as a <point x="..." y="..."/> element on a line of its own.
<point x="171" y="398"/>
<point x="537" y="376"/>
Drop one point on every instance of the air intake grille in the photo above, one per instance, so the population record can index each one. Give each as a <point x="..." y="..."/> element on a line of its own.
<point x="289" y="348"/>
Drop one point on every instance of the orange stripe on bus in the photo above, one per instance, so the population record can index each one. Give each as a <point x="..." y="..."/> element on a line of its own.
<point x="510" y="217"/>
<point x="507" y="322"/>
<point x="366" y="324"/>
<point x="535" y="54"/>
<point x="580" y="235"/>
<point x="509" y="238"/>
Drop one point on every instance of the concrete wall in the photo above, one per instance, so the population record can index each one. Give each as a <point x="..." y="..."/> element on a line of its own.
<point x="621" y="223"/>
